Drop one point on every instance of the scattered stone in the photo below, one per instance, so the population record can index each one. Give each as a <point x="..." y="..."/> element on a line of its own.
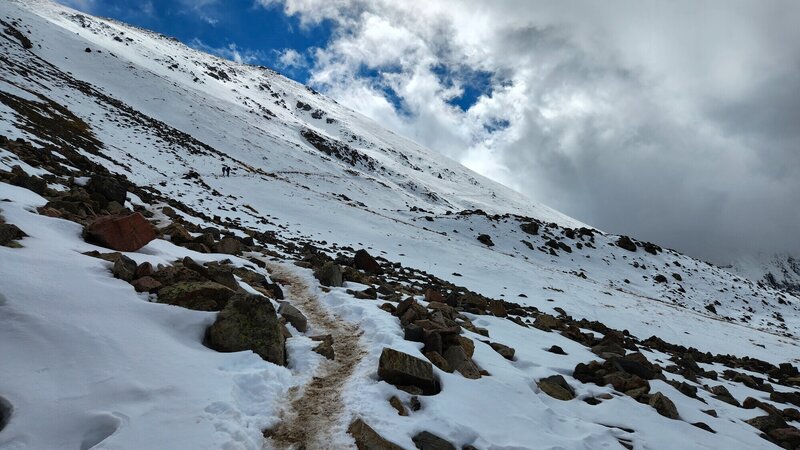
<point x="438" y="360"/>
<point x="557" y="387"/>
<point x="325" y="346"/>
<point x="146" y="284"/>
<point x="486" y="240"/>
<point x="330" y="274"/>
<point x="546" y="322"/>
<point x="200" y="296"/>
<point x="248" y="322"/>
<point x="228" y="245"/>
<point x="557" y="350"/>
<point x="368" y="439"/>
<point x="10" y="233"/>
<point x="530" y="227"/>
<point x="660" y="278"/>
<point x="663" y="405"/>
<point x="121" y="233"/>
<point x="504" y="350"/>
<point x="704" y="426"/>
<point x="458" y="360"/>
<point x="430" y="441"/>
<point x="402" y="369"/>
<point x="293" y="316"/>
<point x="626" y="243"/>
<point x="398" y="405"/>
<point x="364" y="261"/>
<point x="124" y="268"/>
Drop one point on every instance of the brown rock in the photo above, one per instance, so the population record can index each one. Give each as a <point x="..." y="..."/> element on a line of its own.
<point x="146" y="284"/>
<point x="458" y="360"/>
<point x="122" y="233"/>
<point x="546" y="322"/>
<point x="368" y="439"/>
<point x="364" y="261"/>
<point x="124" y="268"/>
<point x="398" y="405"/>
<point x="402" y="369"/>
<point x="438" y="361"/>
<point x="228" y="245"/>
<point x="504" y="350"/>
<point x="293" y="316"/>
<point x="663" y="405"/>
<point x="430" y="441"/>
<point x="497" y="309"/>
<point x="557" y="387"/>
<point x="325" y="346"/>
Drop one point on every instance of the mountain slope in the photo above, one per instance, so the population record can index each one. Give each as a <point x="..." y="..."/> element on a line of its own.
<point x="314" y="181"/>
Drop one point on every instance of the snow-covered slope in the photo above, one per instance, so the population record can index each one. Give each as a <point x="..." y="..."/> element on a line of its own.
<point x="780" y="271"/>
<point x="309" y="173"/>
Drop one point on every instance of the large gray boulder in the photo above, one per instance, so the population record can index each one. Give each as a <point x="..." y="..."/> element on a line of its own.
<point x="197" y="295"/>
<point x="293" y="316"/>
<point x="330" y="274"/>
<point x="248" y="322"/>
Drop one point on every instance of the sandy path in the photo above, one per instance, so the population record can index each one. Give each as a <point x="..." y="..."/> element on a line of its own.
<point x="313" y="416"/>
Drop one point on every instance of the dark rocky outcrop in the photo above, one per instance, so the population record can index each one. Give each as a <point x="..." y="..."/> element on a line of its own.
<point x="364" y="261"/>
<point x="557" y="387"/>
<point x="626" y="243"/>
<point x="200" y="295"/>
<point x="330" y="274"/>
<point x="429" y="441"/>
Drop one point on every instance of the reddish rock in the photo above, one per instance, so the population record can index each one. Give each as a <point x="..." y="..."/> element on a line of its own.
<point x="434" y="296"/>
<point x="146" y="284"/>
<point x="122" y="233"/>
<point x="364" y="261"/>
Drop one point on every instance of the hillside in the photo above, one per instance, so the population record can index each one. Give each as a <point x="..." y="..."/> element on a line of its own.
<point x="343" y="287"/>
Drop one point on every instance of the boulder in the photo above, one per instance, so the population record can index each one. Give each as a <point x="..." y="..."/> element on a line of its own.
<point x="228" y="245"/>
<point x="626" y="243"/>
<point x="293" y="316"/>
<point x="248" y="322"/>
<point x="546" y="322"/>
<point x="330" y="274"/>
<point x="767" y="423"/>
<point x="197" y="295"/>
<point x="663" y="405"/>
<point x="486" y="240"/>
<point x="146" y="284"/>
<point x="530" y="227"/>
<point x="789" y="437"/>
<point x="177" y="234"/>
<point x="458" y="360"/>
<point x="429" y="441"/>
<point x="557" y="387"/>
<point x="368" y="439"/>
<point x="123" y="233"/>
<point x="364" y="261"/>
<point x="10" y="233"/>
<point x="402" y="369"/>
<point x="105" y="189"/>
<point x="438" y="360"/>
<point x="124" y="268"/>
<point x="504" y="350"/>
<point x="557" y="350"/>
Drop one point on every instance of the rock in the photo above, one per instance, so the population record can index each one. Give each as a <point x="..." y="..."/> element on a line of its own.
<point x="398" y="405"/>
<point x="144" y="269"/>
<point x="458" y="360"/>
<point x="330" y="274"/>
<point x="10" y="233"/>
<point x="789" y="437"/>
<point x="467" y="344"/>
<point x="364" y="261"/>
<point x="248" y="322"/>
<point x="636" y="364"/>
<point x="546" y="322"/>
<point x="486" y="240"/>
<point x="368" y="439"/>
<point x="704" y="426"/>
<point x="430" y="441"/>
<point x="104" y="190"/>
<point x="124" y="268"/>
<point x="402" y="369"/>
<point x="197" y="295"/>
<point x="530" y="227"/>
<point x="497" y="309"/>
<point x="438" y="360"/>
<point x="557" y="350"/>
<point x="626" y="243"/>
<point x="122" y="233"/>
<point x="608" y="349"/>
<point x="663" y="405"/>
<point x="660" y="278"/>
<point x="557" y="387"/>
<point x="146" y="284"/>
<point x="432" y="295"/>
<point x="293" y="316"/>
<point x="325" y="346"/>
<point x="504" y="350"/>
<point x="228" y="245"/>
<point x="767" y="423"/>
<point x="177" y="234"/>
<point x="625" y="382"/>
<point x="721" y="393"/>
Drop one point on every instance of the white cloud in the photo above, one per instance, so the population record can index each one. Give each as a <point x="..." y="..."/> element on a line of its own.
<point x="673" y="121"/>
<point x="230" y="51"/>
<point x="291" y="59"/>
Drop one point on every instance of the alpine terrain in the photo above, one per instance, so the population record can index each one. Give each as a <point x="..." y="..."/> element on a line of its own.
<point x="344" y="287"/>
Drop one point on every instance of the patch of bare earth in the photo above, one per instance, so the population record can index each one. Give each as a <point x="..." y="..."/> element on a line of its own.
<point x="314" y="414"/>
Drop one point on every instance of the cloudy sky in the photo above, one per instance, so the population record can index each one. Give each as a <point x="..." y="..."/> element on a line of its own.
<point x="673" y="121"/>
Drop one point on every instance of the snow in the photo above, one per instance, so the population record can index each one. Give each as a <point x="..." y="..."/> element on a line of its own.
<point x="91" y="360"/>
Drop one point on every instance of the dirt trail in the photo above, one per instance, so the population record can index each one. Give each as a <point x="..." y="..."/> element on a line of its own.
<point x="315" y="409"/>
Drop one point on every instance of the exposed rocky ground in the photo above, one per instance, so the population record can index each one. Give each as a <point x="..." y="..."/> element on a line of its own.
<point x="386" y="310"/>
